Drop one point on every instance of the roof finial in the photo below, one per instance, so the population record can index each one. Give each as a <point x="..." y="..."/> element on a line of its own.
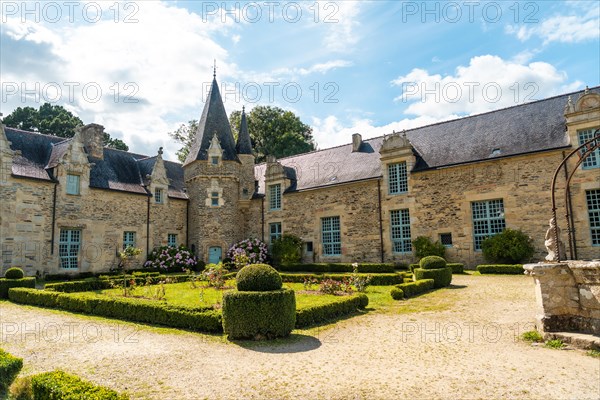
<point x="160" y="151"/>
<point x="243" y="110"/>
<point x="214" y="68"/>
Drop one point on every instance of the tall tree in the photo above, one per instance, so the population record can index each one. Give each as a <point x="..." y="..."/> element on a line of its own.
<point x="275" y="131"/>
<point x="184" y="135"/>
<point x="53" y="120"/>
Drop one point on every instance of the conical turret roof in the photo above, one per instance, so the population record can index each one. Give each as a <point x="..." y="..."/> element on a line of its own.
<point x="244" y="144"/>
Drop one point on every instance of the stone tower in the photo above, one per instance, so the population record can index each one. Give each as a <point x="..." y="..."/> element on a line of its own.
<point x="219" y="176"/>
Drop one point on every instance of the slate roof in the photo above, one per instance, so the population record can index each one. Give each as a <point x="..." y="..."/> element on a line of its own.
<point x="213" y="121"/>
<point x="119" y="170"/>
<point x="244" y="144"/>
<point x="521" y="129"/>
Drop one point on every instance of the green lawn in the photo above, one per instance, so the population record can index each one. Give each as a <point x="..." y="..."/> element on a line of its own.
<point x="183" y="294"/>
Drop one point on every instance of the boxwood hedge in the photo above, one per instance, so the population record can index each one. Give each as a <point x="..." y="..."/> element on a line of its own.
<point x="6" y="284"/>
<point x="253" y="315"/>
<point x="345" y="305"/>
<point x="457" y="268"/>
<point x="415" y="288"/>
<point x="201" y="319"/>
<point x="372" y="268"/>
<point x="376" y="279"/>
<point x="59" y="385"/>
<point x="104" y="282"/>
<point x="510" y="269"/>
<point x="432" y="262"/>
<point x="441" y="276"/>
<point x="10" y="366"/>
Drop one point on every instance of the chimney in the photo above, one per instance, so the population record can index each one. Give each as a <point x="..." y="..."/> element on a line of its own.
<point x="356" y="142"/>
<point x="93" y="140"/>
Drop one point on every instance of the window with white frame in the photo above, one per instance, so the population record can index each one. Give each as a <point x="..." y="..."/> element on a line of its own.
<point x="593" y="160"/>
<point x="128" y="239"/>
<point x="488" y="220"/>
<point x="331" y="236"/>
<point x="274" y="231"/>
<point x="172" y="240"/>
<point x="73" y="182"/>
<point x="397" y="178"/>
<point x="275" y="197"/>
<point x="400" y="227"/>
<point x="593" y="205"/>
<point x="158" y="196"/>
<point x="68" y="248"/>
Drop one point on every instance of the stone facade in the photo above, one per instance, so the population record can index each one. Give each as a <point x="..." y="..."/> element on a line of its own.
<point x="219" y="196"/>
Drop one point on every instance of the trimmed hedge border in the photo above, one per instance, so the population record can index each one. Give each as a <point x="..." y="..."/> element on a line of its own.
<point x="441" y="276"/>
<point x="10" y="366"/>
<point x="367" y="268"/>
<point x="136" y="310"/>
<point x="376" y="280"/>
<point x="6" y="284"/>
<point x="255" y="315"/>
<point x="59" y="385"/>
<point x="457" y="268"/>
<point x="508" y="269"/>
<point x="322" y="313"/>
<point x="414" y="288"/>
<point x="104" y="282"/>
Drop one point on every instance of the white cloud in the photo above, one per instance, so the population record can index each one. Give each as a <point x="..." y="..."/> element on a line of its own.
<point x="487" y="83"/>
<point x="581" y="25"/>
<point x="321" y="68"/>
<point x="342" y="20"/>
<point x="166" y="58"/>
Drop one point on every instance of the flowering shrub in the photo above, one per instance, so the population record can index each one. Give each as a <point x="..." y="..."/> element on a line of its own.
<point x="171" y="259"/>
<point x="215" y="275"/>
<point x="360" y="282"/>
<point x="248" y="251"/>
<point x="330" y="286"/>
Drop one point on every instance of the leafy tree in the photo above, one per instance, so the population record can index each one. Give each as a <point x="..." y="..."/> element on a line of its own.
<point x="287" y="249"/>
<point x="184" y="135"/>
<point x="275" y="131"/>
<point x="53" y="120"/>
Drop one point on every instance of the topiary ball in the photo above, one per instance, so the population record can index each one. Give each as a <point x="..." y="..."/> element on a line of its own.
<point x="432" y="262"/>
<point x="397" y="293"/>
<point x="258" y="278"/>
<point x="14" y="273"/>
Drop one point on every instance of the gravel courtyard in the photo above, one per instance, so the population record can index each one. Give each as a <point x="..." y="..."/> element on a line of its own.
<point x="456" y="343"/>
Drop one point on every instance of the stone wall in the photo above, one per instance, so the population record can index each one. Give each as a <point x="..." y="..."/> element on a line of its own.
<point x="568" y="296"/>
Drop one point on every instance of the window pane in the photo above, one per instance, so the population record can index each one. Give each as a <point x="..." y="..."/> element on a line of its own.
<point x="72" y="184"/>
<point x="398" y="178"/>
<point x="331" y="236"/>
<point x="593" y="160"/>
<point x="275" y="197"/>
<point x="68" y="248"/>
<point x="400" y="228"/>
<point x="593" y="204"/>
<point x="172" y="240"/>
<point x="488" y="220"/>
<point x="158" y="196"/>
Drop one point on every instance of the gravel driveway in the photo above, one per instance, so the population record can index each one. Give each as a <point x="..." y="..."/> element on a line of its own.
<point x="455" y="343"/>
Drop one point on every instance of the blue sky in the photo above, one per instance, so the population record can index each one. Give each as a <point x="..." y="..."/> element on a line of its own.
<point x="142" y="68"/>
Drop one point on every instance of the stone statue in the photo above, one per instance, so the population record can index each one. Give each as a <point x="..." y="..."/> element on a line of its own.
<point x="551" y="242"/>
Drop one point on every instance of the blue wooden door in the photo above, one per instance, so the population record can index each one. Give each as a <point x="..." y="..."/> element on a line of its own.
<point x="214" y="255"/>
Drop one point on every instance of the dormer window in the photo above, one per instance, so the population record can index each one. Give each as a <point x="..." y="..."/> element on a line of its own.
<point x="275" y="197"/>
<point x="73" y="183"/>
<point x="397" y="178"/>
<point x="214" y="160"/>
<point x="214" y="199"/>
<point x="158" y="196"/>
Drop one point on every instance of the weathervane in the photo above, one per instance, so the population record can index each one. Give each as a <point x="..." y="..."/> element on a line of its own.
<point x="214" y="68"/>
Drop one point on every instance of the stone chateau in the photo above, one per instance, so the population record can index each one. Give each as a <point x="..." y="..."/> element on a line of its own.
<point x="71" y="205"/>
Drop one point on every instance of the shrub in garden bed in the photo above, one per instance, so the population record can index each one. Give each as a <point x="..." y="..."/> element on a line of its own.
<point x="10" y="366"/>
<point x="509" y="269"/>
<point x="412" y="289"/>
<point x="457" y="268"/>
<point x="258" y="315"/>
<point x="14" y="273"/>
<point x="68" y="277"/>
<point x="397" y="293"/>
<point x="321" y="313"/>
<point x="441" y="276"/>
<point x="263" y="310"/>
<point x="6" y="284"/>
<point x="59" y="385"/>
<point x="201" y="319"/>
<point x="171" y="259"/>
